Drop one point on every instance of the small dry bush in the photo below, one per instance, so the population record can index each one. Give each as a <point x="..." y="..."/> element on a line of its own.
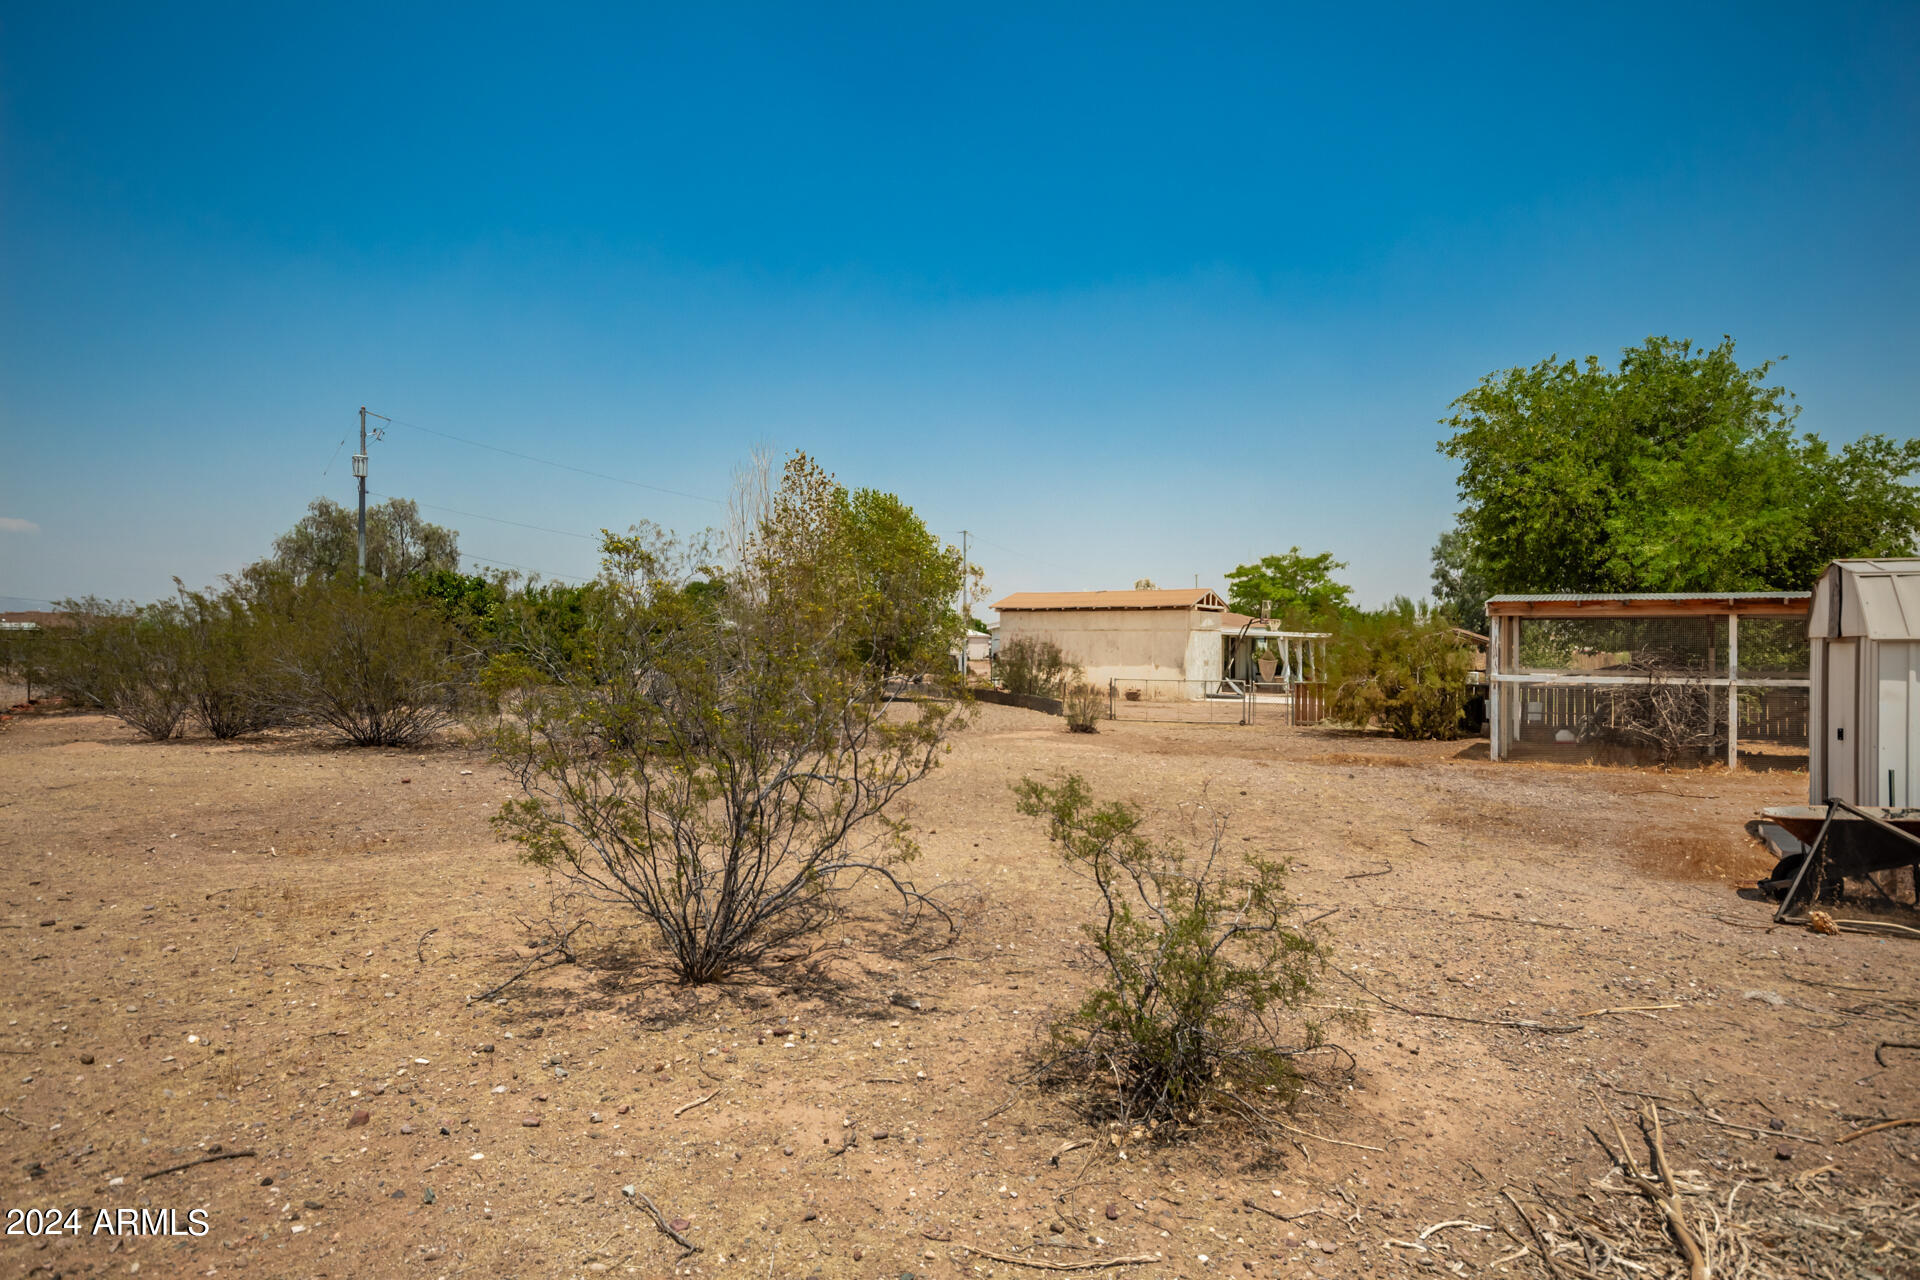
<point x="1205" y="976"/>
<point x="1086" y="707"/>
<point x="228" y="679"/>
<point x="716" y="749"/>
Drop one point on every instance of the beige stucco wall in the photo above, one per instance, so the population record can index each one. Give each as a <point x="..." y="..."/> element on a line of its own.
<point x="1128" y="644"/>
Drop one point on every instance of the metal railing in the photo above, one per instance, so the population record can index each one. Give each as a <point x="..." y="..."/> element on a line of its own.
<point x="1173" y="701"/>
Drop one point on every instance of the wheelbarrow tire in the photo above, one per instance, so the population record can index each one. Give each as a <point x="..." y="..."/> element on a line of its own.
<point x="1776" y="885"/>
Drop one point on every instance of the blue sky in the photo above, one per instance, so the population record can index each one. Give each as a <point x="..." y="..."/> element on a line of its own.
<point x="1126" y="291"/>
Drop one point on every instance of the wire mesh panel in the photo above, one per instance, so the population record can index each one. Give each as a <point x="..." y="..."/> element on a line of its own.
<point x="1672" y="688"/>
<point x="1665" y="717"/>
<point x="1178" y="701"/>
<point x="1624" y="646"/>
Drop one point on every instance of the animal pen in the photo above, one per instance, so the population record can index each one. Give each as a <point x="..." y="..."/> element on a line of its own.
<point x="1667" y="676"/>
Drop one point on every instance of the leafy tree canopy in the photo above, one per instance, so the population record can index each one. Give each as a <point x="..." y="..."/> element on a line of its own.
<point x="906" y="579"/>
<point x="1301" y="588"/>
<point x="1677" y="471"/>
<point x="1459" y="583"/>
<point x="324" y="544"/>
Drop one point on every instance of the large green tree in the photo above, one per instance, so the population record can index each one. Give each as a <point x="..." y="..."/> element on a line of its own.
<point x="325" y="544"/>
<point x="1301" y="588"/>
<point x="1679" y="470"/>
<point x="905" y="579"/>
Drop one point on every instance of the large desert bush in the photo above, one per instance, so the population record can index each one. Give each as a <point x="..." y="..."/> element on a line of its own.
<point x="1205" y="973"/>
<point x="374" y="665"/>
<point x="1407" y="672"/>
<point x="227" y="664"/>
<point x="713" y="746"/>
<point x="131" y="663"/>
<point x="1034" y="668"/>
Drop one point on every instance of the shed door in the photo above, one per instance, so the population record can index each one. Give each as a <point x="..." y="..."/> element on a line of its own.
<point x="1838" y="723"/>
<point x="1897" y="759"/>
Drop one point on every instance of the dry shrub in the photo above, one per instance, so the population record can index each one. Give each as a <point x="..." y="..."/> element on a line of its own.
<point x="376" y="667"/>
<point x="1086" y="706"/>
<point x="1035" y="668"/>
<point x="1673" y="719"/>
<point x="1206" y="976"/>
<point x="719" y="758"/>
<point x="130" y="663"/>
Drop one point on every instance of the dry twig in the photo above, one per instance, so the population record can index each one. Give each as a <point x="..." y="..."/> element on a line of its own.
<point x="1134" y="1260"/>
<point x="685" y="1107"/>
<point x="660" y="1221"/>
<point x="222" y="1155"/>
<point x="1517" y="1024"/>
<point x="1876" y="1128"/>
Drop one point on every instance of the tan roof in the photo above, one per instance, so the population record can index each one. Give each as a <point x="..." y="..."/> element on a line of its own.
<point x="1184" y="598"/>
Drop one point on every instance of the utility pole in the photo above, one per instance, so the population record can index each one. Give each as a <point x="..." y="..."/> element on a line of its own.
<point x="360" y="471"/>
<point x="966" y="609"/>
<point x="966" y="590"/>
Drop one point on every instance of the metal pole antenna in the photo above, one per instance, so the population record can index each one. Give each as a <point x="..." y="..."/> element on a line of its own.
<point x="966" y="591"/>
<point x="360" y="470"/>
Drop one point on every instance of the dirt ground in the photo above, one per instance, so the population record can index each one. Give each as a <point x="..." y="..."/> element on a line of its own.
<point x="269" y="948"/>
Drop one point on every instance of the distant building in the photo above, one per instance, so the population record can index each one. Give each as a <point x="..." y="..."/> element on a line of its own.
<point x="1169" y="644"/>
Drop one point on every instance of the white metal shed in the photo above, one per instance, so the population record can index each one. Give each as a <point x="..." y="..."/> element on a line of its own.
<point x="1864" y="727"/>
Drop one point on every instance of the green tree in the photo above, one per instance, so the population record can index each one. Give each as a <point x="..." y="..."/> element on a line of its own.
<point x="906" y="579"/>
<point x="1459" y="581"/>
<point x="1301" y="588"/>
<point x="1679" y="470"/>
<point x="325" y="544"/>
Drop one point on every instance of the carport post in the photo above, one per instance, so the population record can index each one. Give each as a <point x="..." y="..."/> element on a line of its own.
<point x="1733" y="691"/>
<point x="1495" y="699"/>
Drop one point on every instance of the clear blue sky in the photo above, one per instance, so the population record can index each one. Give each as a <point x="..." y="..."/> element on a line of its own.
<point x="1128" y="292"/>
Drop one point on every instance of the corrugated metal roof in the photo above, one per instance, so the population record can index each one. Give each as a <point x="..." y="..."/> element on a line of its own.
<point x="1628" y="597"/>
<point x="1184" y="598"/>
<point x="1879" y="599"/>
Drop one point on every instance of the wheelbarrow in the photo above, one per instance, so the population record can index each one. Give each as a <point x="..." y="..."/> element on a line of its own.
<point x="1843" y="841"/>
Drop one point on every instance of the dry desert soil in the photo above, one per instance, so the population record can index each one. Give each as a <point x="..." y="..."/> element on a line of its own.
<point x="265" y="952"/>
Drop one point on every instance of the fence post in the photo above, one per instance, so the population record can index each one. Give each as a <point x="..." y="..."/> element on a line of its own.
<point x="1113" y="707"/>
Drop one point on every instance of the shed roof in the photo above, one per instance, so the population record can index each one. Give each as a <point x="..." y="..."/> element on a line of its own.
<point x="1621" y="604"/>
<point x="1876" y="599"/>
<point x="1183" y="598"/>
<point x="1253" y="627"/>
<point x="1633" y="597"/>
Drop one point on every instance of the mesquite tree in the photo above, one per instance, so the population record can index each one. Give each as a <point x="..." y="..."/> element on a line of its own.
<point x="725" y="759"/>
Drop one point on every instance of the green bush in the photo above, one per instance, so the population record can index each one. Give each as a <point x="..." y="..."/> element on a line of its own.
<point x="1202" y="967"/>
<point x="716" y="748"/>
<point x="128" y="662"/>
<point x="229" y="679"/>
<point x="377" y="667"/>
<point x="1035" y="668"/>
<point x="1086" y="706"/>
<point x="1409" y="673"/>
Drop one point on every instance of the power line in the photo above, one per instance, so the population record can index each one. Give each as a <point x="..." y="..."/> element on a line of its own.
<point x="475" y="515"/>
<point x="548" y="462"/>
<point x="1022" y="555"/>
